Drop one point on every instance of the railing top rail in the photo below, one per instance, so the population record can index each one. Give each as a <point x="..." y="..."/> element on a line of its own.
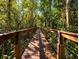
<point x="8" y="35"/>
<point x="69" y="35"/>
<point x="16" y="31"/>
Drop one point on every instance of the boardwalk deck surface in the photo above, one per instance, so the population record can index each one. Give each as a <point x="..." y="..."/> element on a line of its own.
<point x="38" y="48"/>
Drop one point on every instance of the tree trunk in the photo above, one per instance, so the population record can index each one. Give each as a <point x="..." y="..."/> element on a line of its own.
<point x="8" y="21"/>
<point x="67" y="13"/>
<point x="50" y="2"/>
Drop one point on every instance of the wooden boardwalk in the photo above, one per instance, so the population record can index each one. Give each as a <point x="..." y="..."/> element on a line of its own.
<point x="38" y="48"/>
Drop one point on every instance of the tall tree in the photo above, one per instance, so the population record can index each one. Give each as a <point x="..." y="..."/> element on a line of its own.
<point x="8" y="21"/>
<point x="67" y="13"/>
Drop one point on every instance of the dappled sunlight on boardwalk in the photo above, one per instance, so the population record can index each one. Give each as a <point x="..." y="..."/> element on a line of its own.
<point x="37" y="48"/>
<point x="48" y="51"/>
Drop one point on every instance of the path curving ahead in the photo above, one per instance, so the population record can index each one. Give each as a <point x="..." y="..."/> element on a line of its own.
<point x="38" y="48"/>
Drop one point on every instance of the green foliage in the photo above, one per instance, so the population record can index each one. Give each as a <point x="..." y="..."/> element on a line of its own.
<point x="38" y="13"/>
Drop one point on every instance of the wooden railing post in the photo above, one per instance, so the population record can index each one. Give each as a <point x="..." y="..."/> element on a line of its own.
<point x="18" y="51"/>
<point x="30" y="35"/>
<point x="60" y="47"/>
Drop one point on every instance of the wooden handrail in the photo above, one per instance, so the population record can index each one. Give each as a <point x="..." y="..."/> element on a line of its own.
<point x="62" y="34"/>
<point x="5" y="36"/>
<point x="16" y="31"/>
<point x="69" y="35"/>
<point x="16" y="34"/>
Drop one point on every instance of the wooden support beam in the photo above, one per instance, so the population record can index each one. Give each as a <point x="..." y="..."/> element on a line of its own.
<point x="18" y="48"/>
<point x="60" y="47"/>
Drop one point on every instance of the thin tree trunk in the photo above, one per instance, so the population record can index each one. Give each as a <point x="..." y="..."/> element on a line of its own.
<point x="50" y="2"/>
<point x="9" y="15"/>
<point x="31" y="18"/>
<point x="67" y="13"/>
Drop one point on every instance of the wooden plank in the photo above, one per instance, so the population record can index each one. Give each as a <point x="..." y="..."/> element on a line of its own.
<point x="39" y="48"/>
<point x="70" y="33"/>
<point x="70" y="37"/>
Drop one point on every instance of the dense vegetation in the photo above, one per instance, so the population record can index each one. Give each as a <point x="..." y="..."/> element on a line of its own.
<point x="19" y="14"/>
<point x="57" y="14"/>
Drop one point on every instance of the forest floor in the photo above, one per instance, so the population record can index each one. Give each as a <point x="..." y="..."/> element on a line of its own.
<point x="38" y="48"/>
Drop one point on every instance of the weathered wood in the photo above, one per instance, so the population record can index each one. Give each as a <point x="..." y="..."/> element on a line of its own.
<point x="6" y="36"/>
<point x="72" y="38"/>
<point x="60" y="52"/>
<point x="18" y="47"/>
<point x="69" y="35"/>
